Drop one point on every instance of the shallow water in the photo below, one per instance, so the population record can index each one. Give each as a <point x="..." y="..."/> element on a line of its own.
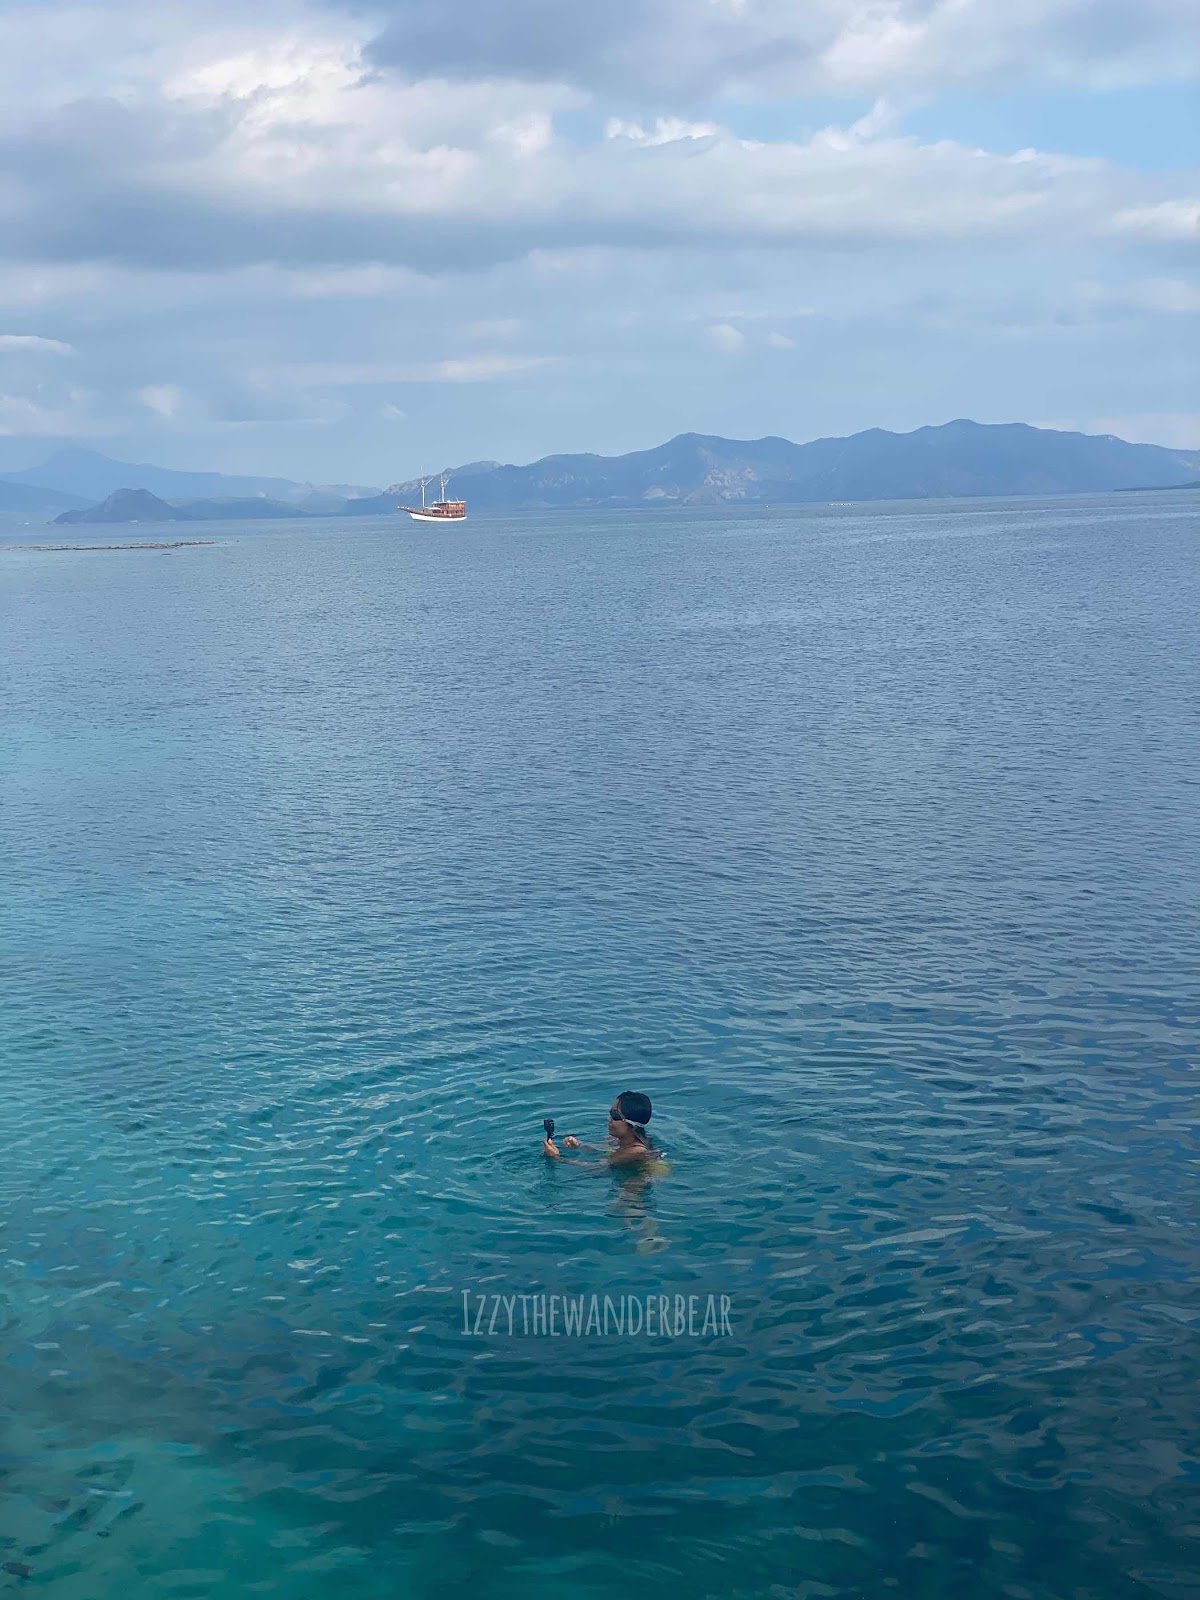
<point x="865" y="840"/>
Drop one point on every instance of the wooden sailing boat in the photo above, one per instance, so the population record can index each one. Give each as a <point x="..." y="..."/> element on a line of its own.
<point x="442" y="510"/>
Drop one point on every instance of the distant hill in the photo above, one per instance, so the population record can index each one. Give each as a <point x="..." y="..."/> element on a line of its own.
<point x="86" y="475"/>
<point x="31" y="497"/>
<point x="125" y="505"/>
<point x="139" y="505"/>
<point x="957" y="459"/>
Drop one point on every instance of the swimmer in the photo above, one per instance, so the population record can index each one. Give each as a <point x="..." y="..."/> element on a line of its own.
<point x="629" y="1143"/>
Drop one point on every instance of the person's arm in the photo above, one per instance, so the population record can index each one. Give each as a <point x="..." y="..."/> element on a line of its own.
<point x="551" y="1149"/>
<point x="571" y="1143"/>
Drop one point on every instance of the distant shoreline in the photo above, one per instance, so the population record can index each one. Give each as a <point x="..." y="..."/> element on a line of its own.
<point x="163" y="544"/>
<point x="960" y="459"/>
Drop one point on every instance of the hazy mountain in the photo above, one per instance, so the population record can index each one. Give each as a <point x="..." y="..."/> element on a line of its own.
<point x="959" y="458"/>
<point x="255" y="509"/>
<point x="87" y="475"/>
<point x="139" y="505"/>
<point x="31" y="497"/>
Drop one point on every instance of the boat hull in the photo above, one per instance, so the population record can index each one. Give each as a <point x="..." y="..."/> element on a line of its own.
<point x="435" y="516"/>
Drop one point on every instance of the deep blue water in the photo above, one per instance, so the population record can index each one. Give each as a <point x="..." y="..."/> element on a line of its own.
<point x="866" y="841"/>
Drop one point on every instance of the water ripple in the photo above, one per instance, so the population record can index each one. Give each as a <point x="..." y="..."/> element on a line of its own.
<point x="865" y="841"/>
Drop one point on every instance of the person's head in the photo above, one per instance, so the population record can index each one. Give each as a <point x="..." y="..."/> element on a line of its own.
<point x="628" y="1116"/>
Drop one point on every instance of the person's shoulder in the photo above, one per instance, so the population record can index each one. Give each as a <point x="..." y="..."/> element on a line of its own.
<point x="631" y="1158"/>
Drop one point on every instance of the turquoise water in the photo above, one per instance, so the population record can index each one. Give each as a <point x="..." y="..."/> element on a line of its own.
<point x="864" y="840"/>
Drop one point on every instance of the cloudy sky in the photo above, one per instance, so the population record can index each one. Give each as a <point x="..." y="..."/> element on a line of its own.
<point x="351" y="241"/>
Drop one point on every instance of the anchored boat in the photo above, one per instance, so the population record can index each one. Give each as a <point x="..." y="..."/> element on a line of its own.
<point x="442" y="510"/>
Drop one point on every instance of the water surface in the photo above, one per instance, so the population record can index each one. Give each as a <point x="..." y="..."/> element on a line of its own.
<point x="865" y="840"/>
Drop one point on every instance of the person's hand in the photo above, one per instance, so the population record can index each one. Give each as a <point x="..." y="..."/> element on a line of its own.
<point x="571" y="1142"/>
<point x="551" y="1149"/>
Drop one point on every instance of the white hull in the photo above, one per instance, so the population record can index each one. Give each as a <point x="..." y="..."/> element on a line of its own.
<point x="427" y="516"/>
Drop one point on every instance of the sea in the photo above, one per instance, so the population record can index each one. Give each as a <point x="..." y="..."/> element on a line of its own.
<point x="338" y="855"/>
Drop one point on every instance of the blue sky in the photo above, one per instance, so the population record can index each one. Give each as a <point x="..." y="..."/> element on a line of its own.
<point x="346" y="242"/>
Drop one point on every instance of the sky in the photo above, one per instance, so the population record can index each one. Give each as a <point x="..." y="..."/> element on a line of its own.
<point x="351" y="242"/>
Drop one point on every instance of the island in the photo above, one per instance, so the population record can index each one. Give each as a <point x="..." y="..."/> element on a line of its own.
<point x="139" y="505"/>
<point x="124" y="505"/>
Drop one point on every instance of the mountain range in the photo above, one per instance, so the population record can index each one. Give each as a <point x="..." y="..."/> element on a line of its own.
<point x="959" y="458"/>
<point x="956" y="459"/>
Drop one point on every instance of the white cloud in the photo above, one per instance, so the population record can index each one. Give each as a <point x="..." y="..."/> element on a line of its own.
<point x="279" y="146"/>
<point x="1170" y="221"/>
<point x="245" y="188"/>
<point x="297" y="78"/>
<point x="723" y="336"/>
<point x="351" y="374"/>
<point x="33" y="344"/>
<point x="164" y="399"/>
<point x="681" y="51"/>
<point x="665" y="130"/>
<point x="206" y="189"/>
<point x="30" y="416"/>
<point x="478" y="369"/>
<point x="526" y="135"/>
